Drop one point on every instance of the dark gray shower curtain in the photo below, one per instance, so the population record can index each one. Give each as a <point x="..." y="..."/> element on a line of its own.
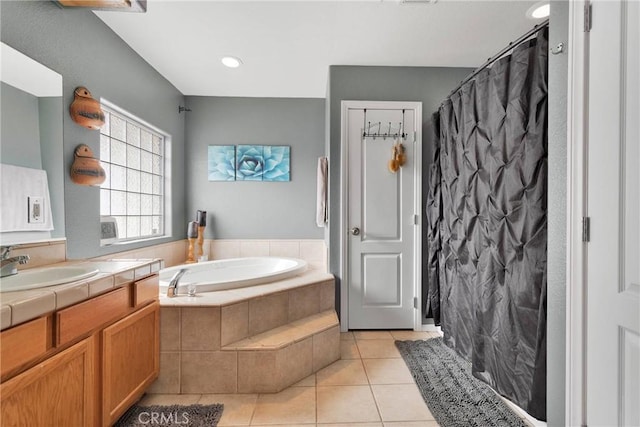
<point x="487" y="229"/>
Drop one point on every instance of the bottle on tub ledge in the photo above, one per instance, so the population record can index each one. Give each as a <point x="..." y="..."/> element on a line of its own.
<point x="201" y="219"/>
<point x="192" y="235"/>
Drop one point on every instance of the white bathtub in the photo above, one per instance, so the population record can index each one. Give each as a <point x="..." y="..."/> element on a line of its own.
<point x="232" y="273"/>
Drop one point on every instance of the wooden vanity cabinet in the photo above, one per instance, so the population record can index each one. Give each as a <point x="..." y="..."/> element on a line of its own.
<point x="56" y="392"/>
<point x="105" y="354"/>
<point x="130" y="360"/>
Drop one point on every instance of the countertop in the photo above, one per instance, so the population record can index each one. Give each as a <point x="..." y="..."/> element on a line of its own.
<point x="19" y="306"/>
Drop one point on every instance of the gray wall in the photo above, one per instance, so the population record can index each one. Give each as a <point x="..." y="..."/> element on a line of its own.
<point x="557" y="217"/>
<point x="80" y="47"/>
<point x="429" y="85"/>
<point x="20" y="138"/>
<point x="255" y="210"/>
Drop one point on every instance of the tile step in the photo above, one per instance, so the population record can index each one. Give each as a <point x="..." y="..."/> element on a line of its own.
<point x="288" y="334"/>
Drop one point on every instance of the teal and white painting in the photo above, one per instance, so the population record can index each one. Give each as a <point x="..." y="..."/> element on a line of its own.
<point x="249" y="163"/>
<point x="277" y="159"/>
<point x="222" y="163"/>
<point x="263" y="163"/>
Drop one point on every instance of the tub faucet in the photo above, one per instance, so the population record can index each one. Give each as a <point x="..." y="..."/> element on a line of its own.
<point x="172" y="290"/>
<point x="9" y="266"/>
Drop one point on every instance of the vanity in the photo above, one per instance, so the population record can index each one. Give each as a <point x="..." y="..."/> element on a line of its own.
<point x="80" y="353"/>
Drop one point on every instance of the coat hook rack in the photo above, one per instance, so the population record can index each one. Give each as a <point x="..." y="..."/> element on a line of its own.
<point x="391" y="132"/>
<point x="181" y="109"/>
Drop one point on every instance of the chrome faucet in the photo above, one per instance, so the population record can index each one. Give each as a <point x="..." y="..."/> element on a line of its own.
<point x="172" y="290"/>
<point x="9" y="266"/>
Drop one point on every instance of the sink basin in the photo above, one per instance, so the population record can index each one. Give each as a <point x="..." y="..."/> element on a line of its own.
<point x="41" y="277"/>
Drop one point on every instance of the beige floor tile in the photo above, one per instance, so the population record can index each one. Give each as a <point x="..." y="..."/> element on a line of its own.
<point x="169" y="399"/>
<point x="411" y="424"/>
<point x="346" y="336"/>
<point x="346" y="404"/>
<point x="351" y="425"/>
<point x="401" y="402"/>
<point x="377" y="349"/>
<point x="284" y="425"/>
<point x="411" y="335"/>
<point x="294" y="405"/>
<point x="343" y="372"/>
<point x="310" y="381"/>
<point x="238" y="408"/>
<point x="387" y="371"/>
<point x="349" y="350"/>
<point x="372" y="335"/>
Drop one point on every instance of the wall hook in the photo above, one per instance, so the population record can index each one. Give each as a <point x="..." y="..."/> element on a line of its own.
<point x="558" y="49"/>
<point x="181" y="109"/>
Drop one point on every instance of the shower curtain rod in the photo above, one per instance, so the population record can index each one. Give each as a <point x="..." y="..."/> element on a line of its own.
<point x="498" y="55"/>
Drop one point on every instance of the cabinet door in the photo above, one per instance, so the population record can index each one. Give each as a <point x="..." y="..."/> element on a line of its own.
<point x="57" y="392"/>
<point x="130" y="360"/>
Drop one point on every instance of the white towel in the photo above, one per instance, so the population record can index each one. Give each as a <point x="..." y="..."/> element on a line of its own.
<point x="16" y="184"/>
<point x="321" y="200"/>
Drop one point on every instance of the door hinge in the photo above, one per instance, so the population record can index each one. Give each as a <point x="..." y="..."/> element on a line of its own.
<point x="416" y="220"/>
<point x="586" y="228"/>
<point x="587" y="17"/>
<point x="415" y="302"/>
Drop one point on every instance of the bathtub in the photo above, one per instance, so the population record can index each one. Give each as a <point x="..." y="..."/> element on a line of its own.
<point x="232" y="273"/>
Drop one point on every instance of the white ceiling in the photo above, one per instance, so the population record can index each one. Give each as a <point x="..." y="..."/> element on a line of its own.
<point x="287" y="46"/>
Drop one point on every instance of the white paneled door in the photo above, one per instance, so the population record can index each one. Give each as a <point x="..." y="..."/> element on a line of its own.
<point x="613" y="260"/>
<point x="382" y="224"/>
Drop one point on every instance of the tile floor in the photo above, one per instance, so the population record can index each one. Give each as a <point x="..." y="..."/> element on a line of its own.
<point x="369" y="387"/>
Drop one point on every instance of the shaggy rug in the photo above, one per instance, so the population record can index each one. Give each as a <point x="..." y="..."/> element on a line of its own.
<point x="171" y="416"/>
<point x="453" y="395"/>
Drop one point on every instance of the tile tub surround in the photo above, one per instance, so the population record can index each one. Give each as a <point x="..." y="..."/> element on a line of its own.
<point x="260" y="339"/>
<point x="173" y="253"/>
<point x="314" y="252"/>
<point x="20" y="306"/>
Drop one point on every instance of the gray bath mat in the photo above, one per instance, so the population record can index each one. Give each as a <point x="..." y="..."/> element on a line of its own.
<point x="171" y="416"/>
<point x="453" y="395"/>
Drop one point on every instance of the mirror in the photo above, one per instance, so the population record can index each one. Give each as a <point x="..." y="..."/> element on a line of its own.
<point x="31" y="117"/>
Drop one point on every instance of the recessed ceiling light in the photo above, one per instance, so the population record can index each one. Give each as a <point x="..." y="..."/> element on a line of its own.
<point x="231" y="61"/>
<point x="539" y="10"/>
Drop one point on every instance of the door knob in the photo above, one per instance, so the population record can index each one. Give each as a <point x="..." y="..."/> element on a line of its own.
<point x="355" y="231"/>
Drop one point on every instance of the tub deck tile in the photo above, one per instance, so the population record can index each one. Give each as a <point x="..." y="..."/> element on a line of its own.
<point x="285" y="335"/>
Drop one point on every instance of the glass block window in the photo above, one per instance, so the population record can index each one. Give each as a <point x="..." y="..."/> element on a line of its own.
<point x="132" y="155"/>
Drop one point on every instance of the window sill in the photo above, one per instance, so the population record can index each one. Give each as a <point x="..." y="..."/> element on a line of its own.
<point x="130" y="242"/>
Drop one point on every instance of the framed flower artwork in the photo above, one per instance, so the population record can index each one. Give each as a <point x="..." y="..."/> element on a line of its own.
<point x="267" y="163"/>
<point x="222" y="163"/>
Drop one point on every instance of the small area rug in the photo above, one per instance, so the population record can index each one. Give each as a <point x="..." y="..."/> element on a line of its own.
<point x="171" y="416"/>
<point x="453" y="395"/>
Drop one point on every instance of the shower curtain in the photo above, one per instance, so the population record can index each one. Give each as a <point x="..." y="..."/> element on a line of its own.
<point x="487" y="230"/>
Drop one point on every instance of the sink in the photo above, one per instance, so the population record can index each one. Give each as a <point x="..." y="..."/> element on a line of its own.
<point x="41" y="277"/>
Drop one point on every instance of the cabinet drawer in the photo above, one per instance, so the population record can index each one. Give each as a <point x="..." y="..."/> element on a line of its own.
<point x="145" y="290"/>
<point x="83" y="318"/>
<point x="23" y="343"/>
